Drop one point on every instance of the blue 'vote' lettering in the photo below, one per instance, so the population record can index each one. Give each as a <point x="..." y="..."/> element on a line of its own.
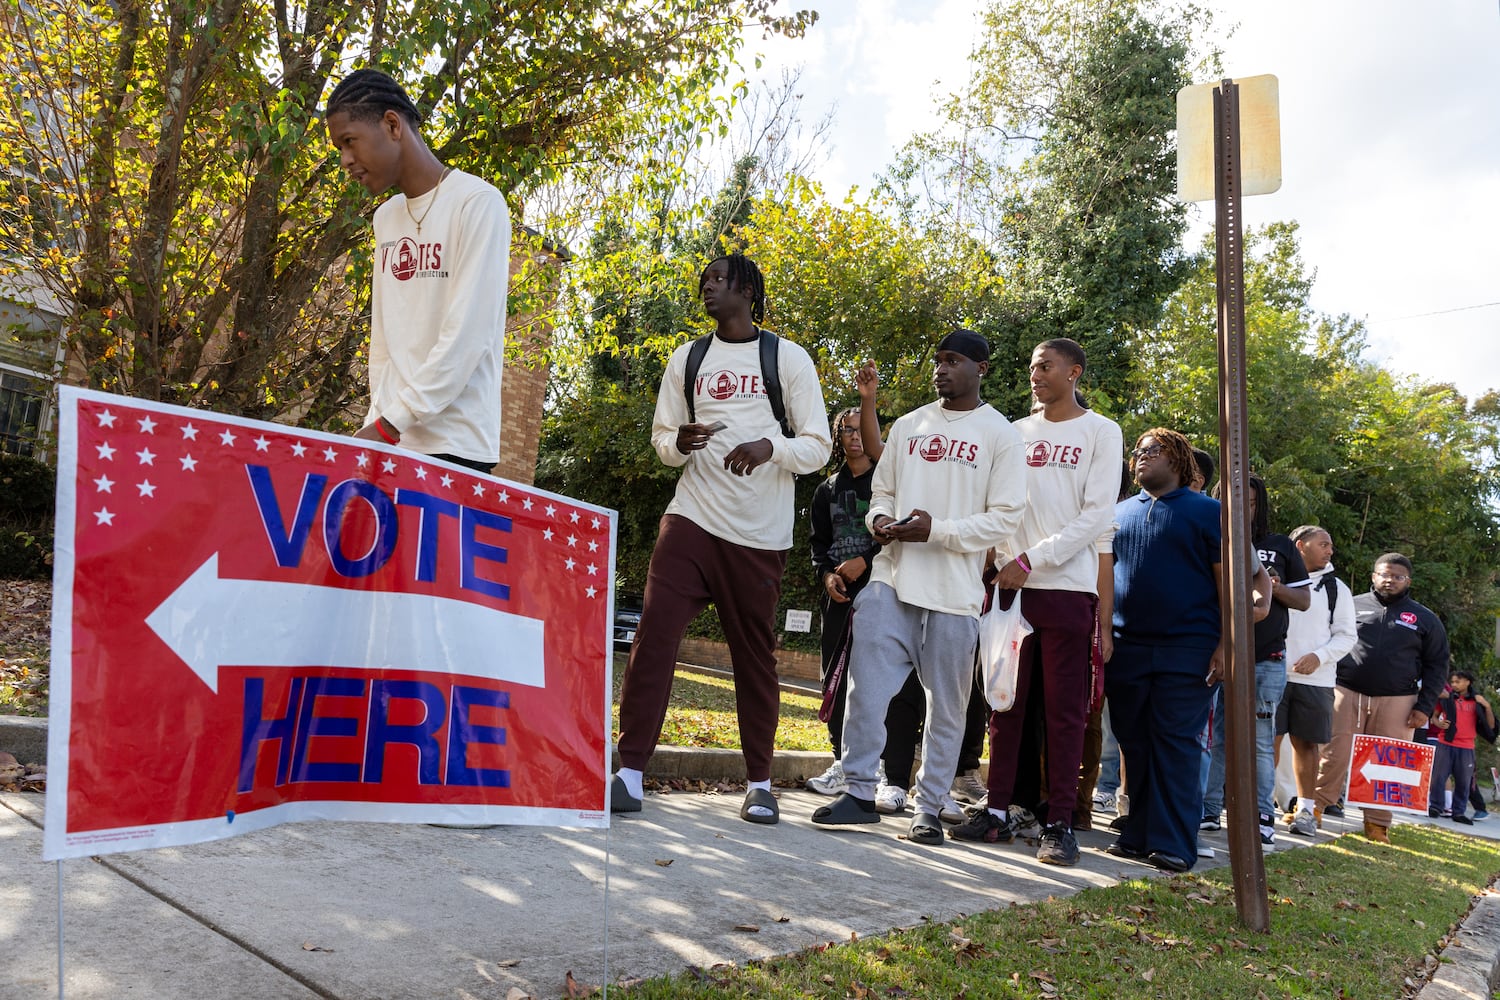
<point x="288" y="543"/>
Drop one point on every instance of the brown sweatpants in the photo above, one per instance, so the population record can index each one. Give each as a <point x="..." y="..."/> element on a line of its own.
<point x="1359" y="713"/>
<point x="689" y="569"/>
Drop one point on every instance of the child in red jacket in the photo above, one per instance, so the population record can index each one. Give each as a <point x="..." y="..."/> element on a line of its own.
<point x="1460" y="718"/>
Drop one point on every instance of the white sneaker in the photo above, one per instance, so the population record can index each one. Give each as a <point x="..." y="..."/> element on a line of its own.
<point x="889" y="799"/>
<point x="831" y="781"/>
<point x="1204" y="851"/>
<point x="1024" y="823"/>
<point x="949" y="811"/>
<point x="968" y="788"/>
<point x="1122" y="803"/>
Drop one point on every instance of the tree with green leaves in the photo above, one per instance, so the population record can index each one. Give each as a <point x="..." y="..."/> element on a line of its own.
<point x="1058" y="156"/>
<point x="167" y="176"/>
<point x="1382" y="461"/>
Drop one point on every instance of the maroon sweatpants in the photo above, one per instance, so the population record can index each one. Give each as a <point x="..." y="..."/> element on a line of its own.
<point x="1056" y="654"/>
<point x="689" y="569"/>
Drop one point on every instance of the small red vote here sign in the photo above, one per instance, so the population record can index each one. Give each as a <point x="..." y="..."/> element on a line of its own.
<point x="255" y="624"/>
<point x="1385" y="773"/>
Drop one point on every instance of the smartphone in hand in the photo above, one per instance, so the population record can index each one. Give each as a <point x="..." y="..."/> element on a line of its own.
<point x="717" y="426"/>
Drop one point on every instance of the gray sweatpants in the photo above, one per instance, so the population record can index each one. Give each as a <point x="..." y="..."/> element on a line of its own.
<point x="891" y="639"/>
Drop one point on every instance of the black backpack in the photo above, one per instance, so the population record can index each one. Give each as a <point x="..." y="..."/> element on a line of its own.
<point x="770" y="374"/>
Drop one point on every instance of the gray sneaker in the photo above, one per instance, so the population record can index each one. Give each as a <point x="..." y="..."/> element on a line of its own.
<point x="1023" y="823"/>
<point x="1058" y="847"/>
<point x="968" y="788"/>
<point x="1303" y="824"/>
<point x="831" y="781"/>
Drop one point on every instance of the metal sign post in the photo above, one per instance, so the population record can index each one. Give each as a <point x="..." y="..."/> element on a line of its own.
<point x="1237" y="169"/>
<point x="1245" y="859"/>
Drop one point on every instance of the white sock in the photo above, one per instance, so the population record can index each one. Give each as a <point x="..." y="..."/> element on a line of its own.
<point x="632" y="779"/>
<point x="760" y="810"/>
<point x="999" y="813"/>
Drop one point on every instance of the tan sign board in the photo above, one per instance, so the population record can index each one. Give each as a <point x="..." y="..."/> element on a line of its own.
<point x="1260" y="138"/>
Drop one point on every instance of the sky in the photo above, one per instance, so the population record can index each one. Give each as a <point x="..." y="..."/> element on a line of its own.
<point x="1390" y="144"/>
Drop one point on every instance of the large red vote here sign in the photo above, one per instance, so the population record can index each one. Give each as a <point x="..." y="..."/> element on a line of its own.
<point x="254" y="624"/>
<point x="1392" y="774"/>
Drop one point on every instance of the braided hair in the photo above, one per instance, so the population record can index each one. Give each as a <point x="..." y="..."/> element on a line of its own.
<point x="742" y="274"/>
<point x="837" y="458"/>
<point x="1174" y="448"/>
<point x="367" y="94"/>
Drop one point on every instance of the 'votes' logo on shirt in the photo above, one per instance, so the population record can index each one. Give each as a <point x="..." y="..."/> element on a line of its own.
<point x="726" y="384"/>
<point x="407" y="259"/>
<point x="1042" y="453"/>
<point x="1408" y="619"/>
<point x="937" y="448"/>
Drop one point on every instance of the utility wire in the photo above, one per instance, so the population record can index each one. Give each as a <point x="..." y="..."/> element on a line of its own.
<point x="1435" y="312"/>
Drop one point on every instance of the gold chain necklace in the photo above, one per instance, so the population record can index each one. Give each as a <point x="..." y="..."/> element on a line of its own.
<point x="436" y="188"/>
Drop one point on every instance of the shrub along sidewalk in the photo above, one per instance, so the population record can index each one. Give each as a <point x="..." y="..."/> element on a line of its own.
<point x="1349" y="918"/>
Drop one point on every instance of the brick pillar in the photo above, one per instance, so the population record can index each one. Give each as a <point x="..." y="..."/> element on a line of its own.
<point x="523" y="385"/>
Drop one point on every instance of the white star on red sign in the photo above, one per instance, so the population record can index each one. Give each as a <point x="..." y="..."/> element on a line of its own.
<point x="189" y="463"/>
<point x="189" y="432"/>
<point x="447" y="481"/>
<point x="591" y="592"/>
<point x="146" y="456"/>
<point x="388" y="465"/>
<point x="104" y="515"/>
<point x="147" y="488"/>
<point x="421" y="472"/>
<point x="148" y="426"/>
<point x="571" y="562"/>
<point x="551" y="511"/>
<point x="106" y="452"/>
<point x="106" y="419"/>
<point x="261" y="443"/>
<point x="103" y="484"/>
<point x="329" y="454"/>
<point x="299" y="449"/>
<point x="227" y="437"/>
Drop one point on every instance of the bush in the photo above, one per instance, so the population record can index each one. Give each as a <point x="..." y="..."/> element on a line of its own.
<point x="28" y="493"/>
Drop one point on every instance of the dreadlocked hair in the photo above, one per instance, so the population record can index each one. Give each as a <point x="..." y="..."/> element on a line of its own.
<point x="837" y="458"/>
<point x="1260" y="525"/>
<point x="1174" y="448"/>
<point x="367" y="94"/>
<point x="742" y="274"/>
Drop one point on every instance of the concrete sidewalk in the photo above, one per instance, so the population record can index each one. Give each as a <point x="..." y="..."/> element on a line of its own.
<point x="385" y="912"/>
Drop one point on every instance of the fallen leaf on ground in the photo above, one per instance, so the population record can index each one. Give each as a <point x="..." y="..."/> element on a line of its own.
<point x="309" y="946"/>
<point x="575" y="988"/>
<point x="664" y="862"/>
<point x="517" y="994"/>
<point x="508" y="963"/>
<point x="748" y="928"/>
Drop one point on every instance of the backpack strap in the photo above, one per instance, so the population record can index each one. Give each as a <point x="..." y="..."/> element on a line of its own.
<point x="1330" y="586"/>
<point x="770" y="376"/>
<point x="690" y="373"/>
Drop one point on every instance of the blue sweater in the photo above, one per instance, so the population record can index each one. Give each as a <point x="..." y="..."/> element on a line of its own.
<point x="1165" y="552"/>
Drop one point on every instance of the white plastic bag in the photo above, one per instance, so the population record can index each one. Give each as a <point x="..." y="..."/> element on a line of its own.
<point x="1001" y="633"/>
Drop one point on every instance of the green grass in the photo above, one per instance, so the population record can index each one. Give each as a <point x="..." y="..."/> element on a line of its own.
<point x="1349" y="918"/>
<point x="701" y="714"/>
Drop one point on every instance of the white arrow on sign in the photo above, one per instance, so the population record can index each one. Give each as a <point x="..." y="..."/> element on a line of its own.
<point x="209" y="621"/>
<point x="1385" y="772"/>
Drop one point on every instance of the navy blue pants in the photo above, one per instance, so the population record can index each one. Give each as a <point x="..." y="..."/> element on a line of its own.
<point x="1158" y="703"/>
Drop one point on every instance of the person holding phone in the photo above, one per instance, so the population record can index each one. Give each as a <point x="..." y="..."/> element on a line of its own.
<point x="725" y="536"/>
<point x="951" y="487"/>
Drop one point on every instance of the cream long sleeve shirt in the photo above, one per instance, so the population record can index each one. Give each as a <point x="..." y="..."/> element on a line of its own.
<point x="965" y="468"/>
<point x="437" y="317"/>
<point x="755" y="511"/>
<point x="1072" y="481"/>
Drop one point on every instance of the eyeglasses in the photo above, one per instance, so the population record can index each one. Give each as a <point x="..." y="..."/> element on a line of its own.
<point x="848" y="431"/>
<point x="1150" y="451"/>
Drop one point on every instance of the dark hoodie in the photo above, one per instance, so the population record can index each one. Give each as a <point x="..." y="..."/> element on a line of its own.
<point x="1398" y="644"/>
